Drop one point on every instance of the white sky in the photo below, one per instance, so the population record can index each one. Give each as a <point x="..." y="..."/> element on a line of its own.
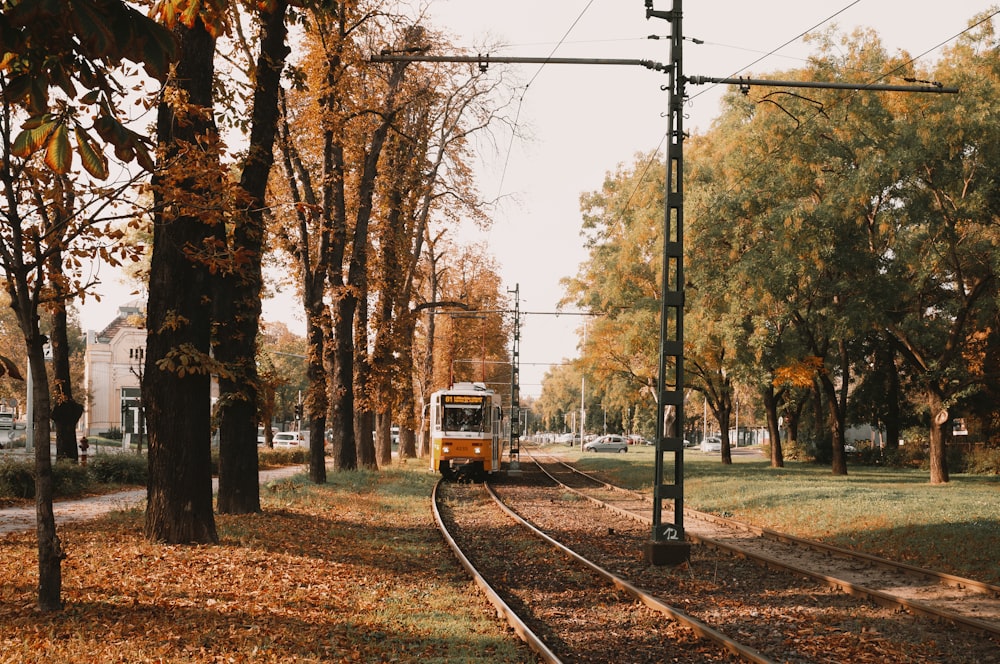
<point x="585" y="120"/>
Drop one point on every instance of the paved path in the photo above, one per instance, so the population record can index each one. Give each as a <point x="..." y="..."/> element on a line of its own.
<point x="13" y="519"/>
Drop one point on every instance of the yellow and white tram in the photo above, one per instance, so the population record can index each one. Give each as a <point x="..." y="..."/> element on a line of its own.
<point x="466" y="439"/>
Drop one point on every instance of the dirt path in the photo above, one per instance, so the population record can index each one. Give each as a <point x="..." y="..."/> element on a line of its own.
<point x="13" y="519"/>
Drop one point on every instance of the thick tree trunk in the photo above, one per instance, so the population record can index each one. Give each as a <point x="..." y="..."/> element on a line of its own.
<point x="773" y="430"/>
<point x="364" y="416"/>
<point x="317" y="402"/>
<point x="723" y="413"/>
<point x="835" y="420"/>
<point x="407" y="408"/>
<point x="939" y="430"/>
<point x="342" y="386"/>
<point x="176" y="379"/>
<point x="239" y="483"/>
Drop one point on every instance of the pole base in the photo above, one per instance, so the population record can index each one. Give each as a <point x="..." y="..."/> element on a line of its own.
<point x="672" y="552"/>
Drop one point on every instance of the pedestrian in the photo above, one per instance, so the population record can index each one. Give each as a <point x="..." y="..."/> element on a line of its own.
<point x="84" y="446"/>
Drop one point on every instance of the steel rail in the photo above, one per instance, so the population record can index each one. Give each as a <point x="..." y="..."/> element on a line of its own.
<point x="698" y="627"/>
<point x="503" y="609"/>
<point x="886" y="600"/>
<point x="943" y="578"/>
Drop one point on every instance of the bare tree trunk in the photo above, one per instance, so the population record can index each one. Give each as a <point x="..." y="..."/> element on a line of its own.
<point x="342" y="388"/>
<point x="50" y="553"/>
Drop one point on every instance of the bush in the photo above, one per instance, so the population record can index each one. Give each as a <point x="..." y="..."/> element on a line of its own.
<point x="118" y="468"/>
<point x="983" y="461"/>
<point x="69" y="478"/>
<point x="284" y="456"/>
<point x="113" y="433"/>
<point x="17" y="479"/>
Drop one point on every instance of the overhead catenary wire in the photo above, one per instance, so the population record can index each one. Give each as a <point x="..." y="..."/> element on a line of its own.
<point x="871" y="85"/>
<point x="520" y="100"/>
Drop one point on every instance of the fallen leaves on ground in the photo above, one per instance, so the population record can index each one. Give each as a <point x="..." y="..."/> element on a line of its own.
<point x="334" y="573"/>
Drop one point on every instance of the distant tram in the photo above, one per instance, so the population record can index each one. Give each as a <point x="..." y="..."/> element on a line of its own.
<point x="466" y="431"/>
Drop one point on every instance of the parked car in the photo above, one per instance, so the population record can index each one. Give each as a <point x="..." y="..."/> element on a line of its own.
<point x="568" y="439"/>
<point x="290" y="439"/>
<point x="711" y="444"/>
<point x="608" y="443"/>
<point x="261" y="432"/>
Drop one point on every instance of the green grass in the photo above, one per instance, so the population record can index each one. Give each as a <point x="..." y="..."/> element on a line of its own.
<point x="890" y="512"/>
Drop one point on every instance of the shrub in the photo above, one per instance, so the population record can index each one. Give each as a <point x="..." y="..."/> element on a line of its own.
<point x="17" y="479"/>
<point x="113" y="433"/>
<point x="69" y="478"/>
<point x="283" y="456"/>
<point x="983" y="461"/>
<point x="118" y="468"/>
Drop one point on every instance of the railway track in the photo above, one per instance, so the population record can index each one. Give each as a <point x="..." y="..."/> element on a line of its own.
<point x="734" y="607"/>
<point x="774" y="615"/>
<point x="566" y="607"/>
<point x="965" y="603"/>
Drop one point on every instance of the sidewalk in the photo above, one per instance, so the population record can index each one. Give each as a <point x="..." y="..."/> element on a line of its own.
<point x="13" y="519"/>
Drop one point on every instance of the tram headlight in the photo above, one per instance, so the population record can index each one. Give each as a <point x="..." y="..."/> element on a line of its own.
<point x="446" y="449"/>
<point x="478" y="450"/>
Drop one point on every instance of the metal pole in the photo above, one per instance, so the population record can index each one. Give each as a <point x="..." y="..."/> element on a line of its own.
<point x="583" y="386"/>
<point x="668" y="545"/>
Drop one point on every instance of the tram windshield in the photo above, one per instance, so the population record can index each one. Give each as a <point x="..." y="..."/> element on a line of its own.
<point x="465" y="413"/>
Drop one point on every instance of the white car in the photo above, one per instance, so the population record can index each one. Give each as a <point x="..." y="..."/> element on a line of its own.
<point x="290" y="439"/>
<point x="711" y="444"/>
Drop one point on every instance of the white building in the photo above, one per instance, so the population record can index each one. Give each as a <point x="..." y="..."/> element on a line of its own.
<point x="113" y="363"/>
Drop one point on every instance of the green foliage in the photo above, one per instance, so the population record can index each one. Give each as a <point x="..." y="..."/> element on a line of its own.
<point x="114" y="433"/>
<point x="119" y="469"/>
<point x="282" y="457"/>
<point x="17" y="479"/>
<point x="983" y="461"/>
<point x="70" y="478"/>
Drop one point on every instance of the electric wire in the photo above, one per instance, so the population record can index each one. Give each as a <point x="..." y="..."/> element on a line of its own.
<point x="520" y="101"/>
<point x="766" y="55"/>
<point x="778" y="149"/>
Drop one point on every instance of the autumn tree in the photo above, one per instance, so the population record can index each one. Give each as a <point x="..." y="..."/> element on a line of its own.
<point x="58" y="89"/>
<point x="943" y="265"/>
<point x="189" y="189"/>
<point x="238" y="286"/>
<point x="426" y="180"/>
<point x="619" y="283"/>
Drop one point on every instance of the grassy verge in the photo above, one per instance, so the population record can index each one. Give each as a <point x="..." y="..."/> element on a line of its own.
<point x="890" y="512"/>
<point x="351" y="571"/>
